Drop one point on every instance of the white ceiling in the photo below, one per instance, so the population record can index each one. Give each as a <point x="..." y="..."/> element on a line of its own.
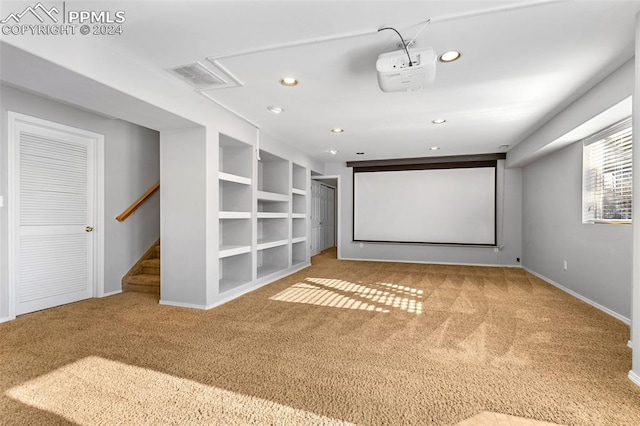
<point x="519" y="67"/>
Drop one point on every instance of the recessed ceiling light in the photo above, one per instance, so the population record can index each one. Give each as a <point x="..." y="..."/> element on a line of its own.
<point x="333" y="151"/>
<point x="503" y="147"/>
<point x="275" y="109"/>
<point x="289" y="81"/>
<point x="434" y="148"/>
<point x="450" y="56"/>
<point x="359" y="153"/>
<point x="337" y="130"/>
<point x="439" y="121"/>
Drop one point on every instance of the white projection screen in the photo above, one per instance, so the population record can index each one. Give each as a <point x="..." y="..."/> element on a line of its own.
<point x="434" y="206"/>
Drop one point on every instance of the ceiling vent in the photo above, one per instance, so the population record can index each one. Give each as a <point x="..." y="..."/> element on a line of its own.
<point x="201" y="78"/>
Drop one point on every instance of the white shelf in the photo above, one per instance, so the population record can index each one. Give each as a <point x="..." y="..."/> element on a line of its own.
<point x="298" y="191"/>
<point x="270" y="215"/>
<point x="272" y="196"/>
<point x="234" y="215"/>
<point x="232" y="250"/>
<point x="228" y="177"/>
<point x="227" y="285"/>
<point x="269" y="269"/>
<point x="299" y="215"/>
<point x="298" y="240"/>
<point x="267" y="244"/>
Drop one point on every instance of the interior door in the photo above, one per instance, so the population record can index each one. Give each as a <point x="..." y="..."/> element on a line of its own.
<point x="53" y="215"/>
<point x="322" y="217"/>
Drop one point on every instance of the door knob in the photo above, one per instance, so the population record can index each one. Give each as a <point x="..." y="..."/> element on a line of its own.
<point x="88" y="229"/>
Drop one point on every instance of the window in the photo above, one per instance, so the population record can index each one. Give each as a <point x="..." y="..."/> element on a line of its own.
<point x="607" y="179"/>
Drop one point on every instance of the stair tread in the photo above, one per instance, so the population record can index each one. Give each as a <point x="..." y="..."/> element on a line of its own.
<point x="144" y="279"/>
<point x="153" y="263"/>
<point x="138" y="288"/>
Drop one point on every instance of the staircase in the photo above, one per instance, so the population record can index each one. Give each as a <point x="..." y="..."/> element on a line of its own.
<point x="144" y="277"/>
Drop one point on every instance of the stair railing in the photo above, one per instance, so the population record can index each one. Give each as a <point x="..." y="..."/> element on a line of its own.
<point x="133" y="207"/>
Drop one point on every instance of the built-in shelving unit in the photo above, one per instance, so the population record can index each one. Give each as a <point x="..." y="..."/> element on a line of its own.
<point x="299" y="209"/>
<point x="273" y="215"/>
<point x="263" y="217"/>
<point x="235" y="207"/>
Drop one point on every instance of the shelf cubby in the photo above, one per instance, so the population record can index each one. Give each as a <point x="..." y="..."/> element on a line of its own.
<point x="299" y="253"/>
<point x="299" y="227"/>
<point x="236" y="157"/>
<point x="272" y="260"/>
<point x="299" y="176"/>
<point x="273" y="174"/>
<point x="234" y="237"/>
<point x="234" y="197"/>
<point x="235" y="271"/>
<point x="272" y="230"/>
<point x="298" y="203"/>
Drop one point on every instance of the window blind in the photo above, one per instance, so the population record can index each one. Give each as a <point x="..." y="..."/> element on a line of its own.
<point x="608" y="175"/>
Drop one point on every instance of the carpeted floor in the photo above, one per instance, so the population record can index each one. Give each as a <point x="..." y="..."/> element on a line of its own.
<point x="338" y="343"/>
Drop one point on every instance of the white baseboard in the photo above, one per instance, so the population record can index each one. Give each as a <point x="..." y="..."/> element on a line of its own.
<point x="616" y="315"/>
<point x="630" y="344"/>
<point x="112" y="293"/>
<point x="634" y="377"/>
<point x="183" y="305"/>
<point x="243" y="290"/>
<point x="5" y="319"/>
<point x="431" y="263"/>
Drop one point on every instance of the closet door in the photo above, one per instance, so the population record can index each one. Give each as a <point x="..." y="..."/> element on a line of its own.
<point x="53" y="210"/>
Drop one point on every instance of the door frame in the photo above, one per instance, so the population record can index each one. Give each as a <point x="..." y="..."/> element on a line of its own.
<point x="337" y="208"/>
<point x="14" y="118"/>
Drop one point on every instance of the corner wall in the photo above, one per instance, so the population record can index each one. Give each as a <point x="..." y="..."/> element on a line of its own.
<point x="131" y="167"/>
<point x="598" y="255"/>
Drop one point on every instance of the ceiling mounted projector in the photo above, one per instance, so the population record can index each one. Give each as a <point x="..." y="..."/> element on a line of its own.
<point x="395" y="74"/>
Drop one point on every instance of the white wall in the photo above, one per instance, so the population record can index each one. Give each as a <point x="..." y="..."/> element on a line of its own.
<point x="509" y="228"/>
<point x="184" y="226"/>
<point x="131" y="167"/>
<point x="598" y="256"/>
<point x="613" y="89"/>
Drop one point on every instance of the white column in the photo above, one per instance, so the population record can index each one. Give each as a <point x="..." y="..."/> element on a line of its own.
<point x="634" y="374"/>
<point x="183" y="217"/>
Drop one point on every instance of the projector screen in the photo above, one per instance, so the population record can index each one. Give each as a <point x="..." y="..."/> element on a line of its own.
<point x="434" y="206"/>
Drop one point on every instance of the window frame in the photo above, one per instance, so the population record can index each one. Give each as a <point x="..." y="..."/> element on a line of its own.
<point x="601" y="135"/>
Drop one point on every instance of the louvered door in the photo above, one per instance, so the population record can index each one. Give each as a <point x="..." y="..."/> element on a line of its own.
<point x="54" y="216"/>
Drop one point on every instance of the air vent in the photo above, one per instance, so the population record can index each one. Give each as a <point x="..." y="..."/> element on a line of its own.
<point x="198" y="76"/>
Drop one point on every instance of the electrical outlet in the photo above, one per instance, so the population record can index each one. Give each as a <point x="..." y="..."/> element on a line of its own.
<point x="496" y="249"/>
<point x="564" y="265"/>
<point x="361" y="245"/>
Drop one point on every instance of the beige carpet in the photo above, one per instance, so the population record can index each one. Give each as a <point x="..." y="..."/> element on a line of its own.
<point x="338" y="343"/>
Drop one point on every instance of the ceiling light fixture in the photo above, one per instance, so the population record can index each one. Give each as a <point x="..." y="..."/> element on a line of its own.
<point x="275" y="109"/>
<point x="333" y="151"/>
<point x="289" y="81"/>
<point x="337" y="130"/>
<point x="503" y="147"/>
<point x="359" y="153"/>
<point x="450" y="56"/>
<point x="434" y="148"/>
<point x="439" y="121"/>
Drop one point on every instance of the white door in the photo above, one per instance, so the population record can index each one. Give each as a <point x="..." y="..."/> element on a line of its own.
<point x="322" y="217"/>
<point x="52" y="213"/>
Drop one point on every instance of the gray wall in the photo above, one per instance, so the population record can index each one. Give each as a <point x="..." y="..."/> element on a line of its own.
<point x="131" y="167"/>
<point x="598" y="256"/>
<point x="509" y="228"/>
<point x="184" y="217"/>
